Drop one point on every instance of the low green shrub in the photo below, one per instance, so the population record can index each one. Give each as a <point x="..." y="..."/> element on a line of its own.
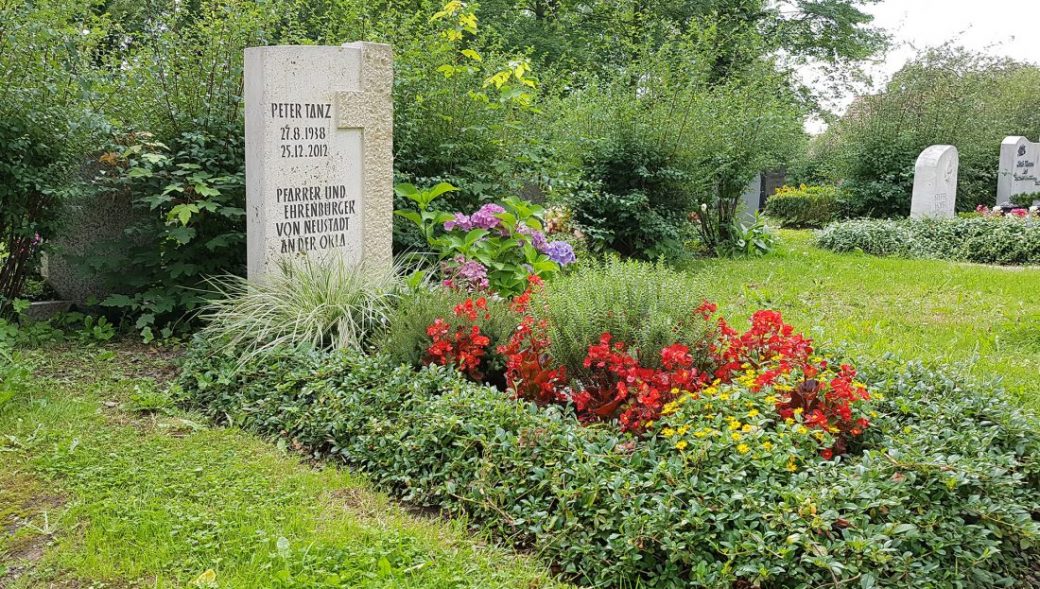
<point x="944" y="492"/>
<point x="647" y="306"/>
<point x="1007" y="241"/>
<point x="804" y="206"/>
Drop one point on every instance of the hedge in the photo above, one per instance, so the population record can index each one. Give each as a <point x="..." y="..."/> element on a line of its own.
<point x="804" y="206"/>
<point x="1006" y="241"/>
<point x="945" y="492"/>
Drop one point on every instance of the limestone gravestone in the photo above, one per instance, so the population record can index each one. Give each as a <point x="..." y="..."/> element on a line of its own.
<point x="935" y="183"/>
<point x="319" y="156"/>
<point x="1019" y="160"/>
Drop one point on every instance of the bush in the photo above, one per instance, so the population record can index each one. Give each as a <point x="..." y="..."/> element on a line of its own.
<point x="1007" y="241"/>
<point x="804" y="206"/>
<point x="496" y="249"/>
<point x="321" y="305"/>
<point x="46" y="125"/>
<point x="943" y="491"/>
<point x="632" y="200"/>
<point x="647" y="306"/>
<point x="189" y="204"/>
<point x="662" y="143"/>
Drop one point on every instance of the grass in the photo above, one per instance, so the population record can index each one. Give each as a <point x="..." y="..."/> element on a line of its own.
<point x="104" y="484"/>
<point x="986" y="319"/>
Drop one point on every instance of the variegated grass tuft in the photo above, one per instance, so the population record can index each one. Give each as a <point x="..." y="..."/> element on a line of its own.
<point x="324" y="305"/>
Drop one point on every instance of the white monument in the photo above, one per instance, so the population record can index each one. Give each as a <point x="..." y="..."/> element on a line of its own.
<point x="319" y="156"/>
<point x="935" y="183"/>
<point x="1019" y="160"/>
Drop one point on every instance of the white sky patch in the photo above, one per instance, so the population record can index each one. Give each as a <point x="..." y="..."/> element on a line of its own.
<point x="1009" y="28"/>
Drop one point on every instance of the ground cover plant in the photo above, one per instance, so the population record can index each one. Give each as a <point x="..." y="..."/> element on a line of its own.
<point x="1008" y="239"/>
<point x="104" y="483"/>
<point x="940" y="489"/>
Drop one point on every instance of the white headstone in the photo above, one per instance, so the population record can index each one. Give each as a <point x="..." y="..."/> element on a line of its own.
<point x="751" y="200"/>
<point x="319" y="155"/>
<point x="935" y="183"/>
<point x="1019" y="160"/>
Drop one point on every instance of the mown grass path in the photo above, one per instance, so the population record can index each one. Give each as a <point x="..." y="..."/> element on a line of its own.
<point x="104" y="484"/>
<point x="984" y="318"/>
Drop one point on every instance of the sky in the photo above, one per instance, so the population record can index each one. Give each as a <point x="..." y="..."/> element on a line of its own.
<point x="1001" y="27"/>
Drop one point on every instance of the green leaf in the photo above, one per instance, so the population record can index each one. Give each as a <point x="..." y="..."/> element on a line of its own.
<point x="118" y="300"/>
<point x="182" y="212"/>
<point x="181" y="235"/>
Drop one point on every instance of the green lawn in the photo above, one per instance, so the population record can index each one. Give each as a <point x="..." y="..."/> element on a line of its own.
<point x="985" y="319"/>
<point x="95" y="491"/>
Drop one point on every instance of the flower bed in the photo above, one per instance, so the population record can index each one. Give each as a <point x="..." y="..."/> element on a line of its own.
<point x="944" y="490"/>
<point x="1009" y="239"/>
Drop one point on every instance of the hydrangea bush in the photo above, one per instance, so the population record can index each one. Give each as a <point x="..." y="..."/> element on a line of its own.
<point x="493" y="249"/>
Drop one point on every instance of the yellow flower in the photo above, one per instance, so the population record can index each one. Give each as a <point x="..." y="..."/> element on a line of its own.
<point x="801" y="429"/>
<point x="724" y="396"/>
<point x="681" y="445"/>
<point x="668" y="432"/>
<point x="791" y="466"/>
<point x="770" y="400"/>
<point x="675" y="391"/>
<point x="682" y="430"/>
<point x="736" y="436"/>
<point x="799" y="410"/>
<point x="701" y="433"/>
<point x="747" y="428"/>
<point x="743" y="448"/>
<point x="734" y="424"/>
<point x="767" y="445"/>
<point x="819" y="435"/>
<point x="670" y="408"/>
<point x="789" y="421"/>
<point x="753" y="413"/>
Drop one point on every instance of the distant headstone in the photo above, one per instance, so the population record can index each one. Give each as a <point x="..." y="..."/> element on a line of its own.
<point x="1019" y="160"/>
<point x="751" y="200"/>
<point x="935" y="183"/>
<point x="319" y="156"/>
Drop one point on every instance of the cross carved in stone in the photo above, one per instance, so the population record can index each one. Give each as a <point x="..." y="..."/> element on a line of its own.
<point x="371" y="111"/>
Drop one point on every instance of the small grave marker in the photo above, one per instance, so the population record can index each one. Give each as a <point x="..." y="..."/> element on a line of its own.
<point x="935" y="183"/>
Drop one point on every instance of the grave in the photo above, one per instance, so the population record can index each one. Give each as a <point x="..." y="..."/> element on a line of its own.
<point x="1019" y="160"/>
<point x="319" y="155"/>
<point x="935" y="183"/>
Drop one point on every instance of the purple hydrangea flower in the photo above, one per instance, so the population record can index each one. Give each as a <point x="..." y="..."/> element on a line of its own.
<point x="560" y="252"/>
<point x="537" y="237"/>
<point x="485" y="217"/>
<point x="460" y="221"/>
<point x="474" y="273"/>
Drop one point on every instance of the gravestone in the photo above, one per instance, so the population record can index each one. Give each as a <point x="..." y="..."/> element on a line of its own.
<point x="935" y="183"/>
<point x="319" y="155"/>
<point x="751" y="200"/>
<point x="1019" y="160"/>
